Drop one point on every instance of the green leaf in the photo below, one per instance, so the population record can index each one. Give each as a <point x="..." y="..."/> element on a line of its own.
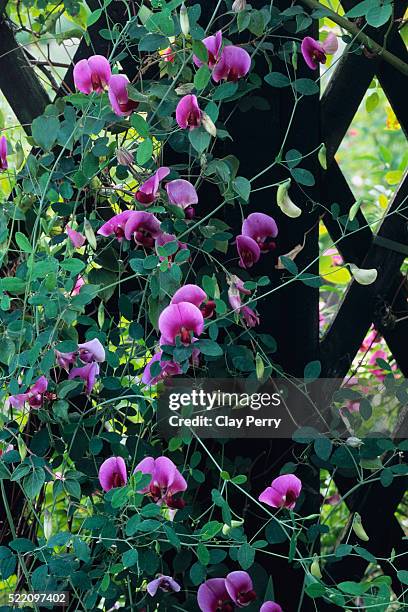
<point x="23" y="242"/>
<point x="210" y="530"/>
<point x="33" y="482"/>
<point x="306" y="87"/>
<point x="130" y="557"/>
<point x="200" y="50"/>
<point x="323" y="448"/>
<point x="140" y="124"/>
<point x="303" y="176"/>
<point x="242" y="187"/>
<point x="93" y="17"/>
<point x="403" y="576"/>
<point x="22" y="545"/>
<point x="210" y="348"/>
<point x="246" y="555"/>
<point x="202" y="77"/>
<point x="277" y="79"/>
<point x="199" y="139"/>
<point x="73" y="265"/>
<point x="144" y="151"/>
<point x="45" y="131"/>
<point x="289" y="264"/>
<point x="153" y="42"/>
<point x="379" y="15"/>
<point x="312" y="370"/>
<point x="226" y="90"/>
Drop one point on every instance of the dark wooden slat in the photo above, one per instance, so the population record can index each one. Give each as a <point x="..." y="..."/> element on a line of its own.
<point x="18" y="81"/>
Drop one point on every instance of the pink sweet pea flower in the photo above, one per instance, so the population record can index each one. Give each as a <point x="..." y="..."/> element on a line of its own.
<point x="270" y="606"/>
<point x="261" y="228"/>
<point x="113" y="473"/>
<point x="183" y="320"/>
<point x="233" y="65"/>
<point x="283" y="492"/>
<point x="33" y="396"/>
<point x="76" y="238"/>
<point x="240" y="588"/>
<point x="92" y="74"/>
<point x="116" y="225"/>
<point x="164" y="583"/>
<point x="149" y="191"/>
<point x="119" y="97"/>
<point x="165" y="483"/>
<point x="78" y="284"/>
<point x="3" y="153"/>
<point x="88" y="373"/>
<point x="372" y="338"/>
<point x="188" y="113"/>
<point x="168" y="368"/>
<point x="213" y="45"/>
<point x="8" y="448"/>
<point x="212" y="596"/>
<point x="195" y="295"/>
<point x="378" y="371"/>
<point x="144" y="227"/>
<point x="65" y="359"/>
<point x="315" y="52"/>
<point x="91" y="351"/>
<point x="236" y="287"/>
<point x="250" y="317"/>
<point x="182" y="193"/>
<point x="248" y="251"/>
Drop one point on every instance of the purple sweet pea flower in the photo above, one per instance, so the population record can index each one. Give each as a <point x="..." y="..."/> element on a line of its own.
<point x="119" y="97"/>
<point x="248" y="251"/>
<point x="236" y="287"/>
<point x="250" y="317"/>
<point x="213" y="45"/>
<point x="240" y="588"/>
<point x="261" y="228"/>
<point x="315" y="52"/>
<point x="168" y="368"/>
<point x="283" y="492"/>
<point x="270" y="606"/>
<point x="65" y="359"/>
<point x="92" y="74"/>
<point x="188" y="113"/>
<point x="91" y="351"/>
<point x="183" y="320"/>
<point x="149" y="191"/>
<point x="88" y="373"/>
<point x="195" y="295"/>
<point x="3" y="153"/>
<point x="233" y="65"/>
<point x="113" y="473"/>
<point x="164" y="583"/>
<point x="33" y="396"/>
<point x="165" y="483"/>
<point x="116" y="225"/>
<point x="80" y="282"/>
<point x="182" y="193"/>
<point x="76" y="238"/>
<point x="212" y="596"/>
<point x="144" y="227"/>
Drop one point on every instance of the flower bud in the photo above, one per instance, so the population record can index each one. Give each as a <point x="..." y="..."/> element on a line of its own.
<point x="184" y="21"/>
<point x="124" y="157"/>
<point x="208" y="124"/>
<point x="47" y="526"/>
<point x="354" y="442"/>
<point x="239" y="5"/>
<point x="359" y="529"/>
<point x="284" y="202"/>
<point x="363" y="276"/>
<point x="315" y="567"/>
<point x="294" y="58"/>
<point x="227" y="528"/>
<point x="322" y="156"/>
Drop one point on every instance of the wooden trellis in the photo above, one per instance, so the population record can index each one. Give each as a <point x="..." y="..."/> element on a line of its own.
<point x="292" y="315"/>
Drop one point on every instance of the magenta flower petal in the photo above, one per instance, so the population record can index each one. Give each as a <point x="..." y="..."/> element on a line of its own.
<point x="270" y="606"/>
<point x="116" y="225"/>
<point x="250" y="317"/>
<point x="331" y="44"/>
<point x="212" y="594"/>
<point x="261" y="228"/>
<point x="65" y="359"/>
<point x="34" y="395"/>
<point x="3" y="153"/>
<point x="18" y="401"/>
<point x="180" y="320"/>
<point x="119" y="97"/>
<point x="144" y="227"/>
<point x="40" y="386"/>
<point x="146" y="466"/>
<point x="166" y="480"/>
<point x="181" y="193"/>
<point x="91" y="351"/>
<point x="233" y="65"/>
<point x="113" y="473"/>
<point x="88" y="373"/>
<point x="76" y="238"/>
<point x="188" y="113"/>
<point x="80" y="282"/>
<point x="240" y="588"/>
<point x="283" y="492"/>
<point x="313" y="52"/>
<point x="213" y="45"/>
<point x="248" y="251"/>
<point x="148" y="192"/>
<point x="92" y="74"/>
<point x="168" y="368"/>
<point x="189" y="293"/>
<point x="165" y="583"/>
